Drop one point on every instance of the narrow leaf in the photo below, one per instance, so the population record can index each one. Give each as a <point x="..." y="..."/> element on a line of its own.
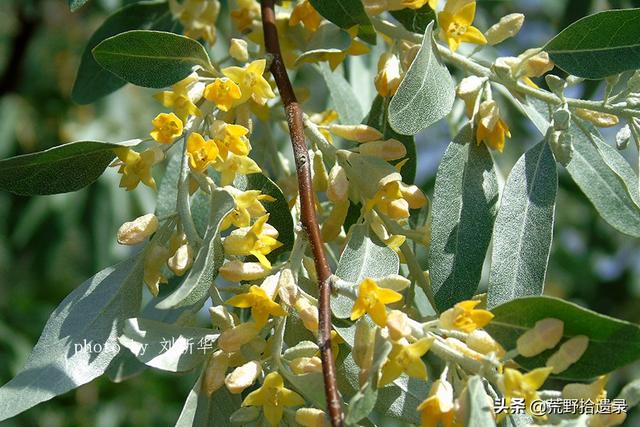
<point x="342" y="96"/>
<point x="203" y="410"/>
<point x="415" y="20"/>
<point x="464" y="206"/>
<point x="195" y="287"/>
<point x="426" y="93"/>
<point x="79" y="340"/>
<point x="165" y="346"/>
<point x="613" y="343"/>
<point x="153" y="59"/>
<point x="76" y="4"/>
<point x="345" y="14"/>
<point x="61" y="169"/>
<point x="480" y="409"/>
<point x="524" y="228"/>
<point x="93" y="81"/>
<point x="599" y="45"/>
<point x="605" y="178"/>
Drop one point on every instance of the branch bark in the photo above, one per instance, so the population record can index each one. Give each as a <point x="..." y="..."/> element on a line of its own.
<point x="293" y="113"/>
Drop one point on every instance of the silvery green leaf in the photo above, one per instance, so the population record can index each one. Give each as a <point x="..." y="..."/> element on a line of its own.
<point x="480" y="409"/>
<point x="344" y="100"/>
<point x="79" y="340"/>
<point x="166" y="346"/>
<point x="464" y="207"/>
<point x="195" y="287"/>
<point x="208" y="411"/>
<point x="524" y="227"/>
<point x="426" y="93"/>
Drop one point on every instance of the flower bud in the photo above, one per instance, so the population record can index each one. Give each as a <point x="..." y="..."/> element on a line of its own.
<point x="536" y="65"/>
<point x="238" y="50"/>
<point x="469" y="90"/>
<point x="634" y="82"/>
<point x="320" y="175"/>
<point x="311" y="417"/>
<point x="363" y="342"/>
<point x="221" y="318"/>
<point x="357" y="133"/>
<point x="562" y="146"/>
<point x="622" y="137"/>
<point x="214" y="372"/>
<point x="338" y="188"/>
<point x="480" y="341"/>
<point x="333" y="225"/>
<point x="463" y="348"/>
<point x="232" y="339"/>
<point x="413" y="195"/>
<point x="398" y="325"/>
<point x="601" y="120"/>
<point x="594" y="391"/>
<point x="243" y="376"/>
<point x="287" y="288"/>
<point x="306" y="365"/>
<point x="398" y="208"/>
<point x="561" y="119"/>
<point x="556" y="84"/>
<point x="545" y="334"/>
<point x="568" y="353"/>
<point x="394" y="281"/>
<point x="408" y="53"/>
<point x="236" y="271"/>
<point x="507" y="27"/>
<point x="388" y="78"/>
<point x="308" y="314"/>
<point x="391" y="149"/>
<point x="155" y="258"/>
<point x="181" y="260"/>
<point x="137" y="231"/>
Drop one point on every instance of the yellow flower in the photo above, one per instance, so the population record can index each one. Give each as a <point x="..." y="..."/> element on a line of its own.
<point x="223" y="92"/>
<point x="251" y="82"/>
<point x="230" y="138"/>
<point x="525" y="386"/>
<point x="438" y="408"/>
<point x="273" y="396"/>
<point x="372" y="300"/>
<point x="259" y="240"/>
<point x="388" y="78"/>
<point x="406" y="358"/>
<point x="323" y="119"/>
<point x="247" y="16"/>
<point x="455" y="24"/>
<point x="136" y="167"/>
<point x="491" y="128"/>
<point x="261" y="305"/>
<point x="201" y="153"/>
<point x="166" y="128"/>
<point x="248" y="206"/>
<point x="234" y="164"/>
<point x="463" y="316"/>
<point x="305" y="13"/>
<point x="395" y="199"/>
<point x="179" y="98"/>
<point x="197" y="17"/>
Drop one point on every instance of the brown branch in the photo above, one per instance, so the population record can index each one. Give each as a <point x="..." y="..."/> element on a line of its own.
<point x="307" y="208"/>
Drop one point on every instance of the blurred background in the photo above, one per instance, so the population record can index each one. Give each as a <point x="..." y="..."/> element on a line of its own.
<point x="50" y="244"/>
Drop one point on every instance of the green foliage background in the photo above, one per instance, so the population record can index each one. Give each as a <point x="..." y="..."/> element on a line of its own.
<point x="49" y="244"/>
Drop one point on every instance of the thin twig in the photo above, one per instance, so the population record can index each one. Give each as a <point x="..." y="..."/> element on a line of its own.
<point x="293" y="113"/>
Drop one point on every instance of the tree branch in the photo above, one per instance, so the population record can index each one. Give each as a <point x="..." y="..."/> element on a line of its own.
<point x="293" y="113"/>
